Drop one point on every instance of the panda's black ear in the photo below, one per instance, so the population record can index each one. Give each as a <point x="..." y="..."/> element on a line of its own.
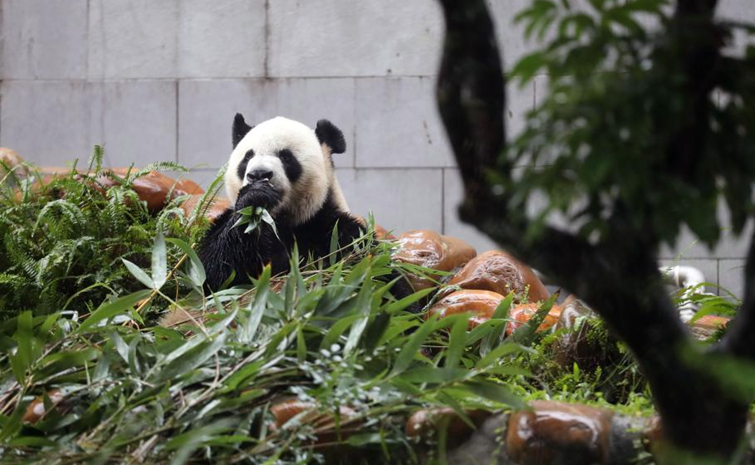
<point x="240" y="128"/>
<point x="327" y="133"/>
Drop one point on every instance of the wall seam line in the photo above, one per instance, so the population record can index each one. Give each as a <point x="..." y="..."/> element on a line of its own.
<point x="178" y="125"/>
<point x="443" y="200"/>
<point x="266" y="63"/>
<point x="86" y="64"/>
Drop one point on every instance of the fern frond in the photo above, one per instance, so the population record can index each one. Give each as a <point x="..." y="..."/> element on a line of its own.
<point x="95" y="160"/>
<point x="158" y="166"/>
<point x="68" y="210"/>
<point x="206" y="200"/>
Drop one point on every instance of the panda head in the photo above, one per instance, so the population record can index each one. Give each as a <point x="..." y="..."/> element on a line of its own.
<point x="284" y="165"/>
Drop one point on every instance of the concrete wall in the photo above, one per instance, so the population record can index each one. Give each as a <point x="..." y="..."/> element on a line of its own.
<point x="161" y="80"/>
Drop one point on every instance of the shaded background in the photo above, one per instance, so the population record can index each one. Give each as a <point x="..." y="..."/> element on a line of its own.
<point x="158" y="80"/>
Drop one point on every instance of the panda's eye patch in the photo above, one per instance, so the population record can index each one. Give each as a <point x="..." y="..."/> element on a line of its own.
<point x="241" y="170"/>
<point x="291" y="165"/>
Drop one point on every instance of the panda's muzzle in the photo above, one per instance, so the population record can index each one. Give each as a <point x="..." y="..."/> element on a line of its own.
<point x="259" y="192"/>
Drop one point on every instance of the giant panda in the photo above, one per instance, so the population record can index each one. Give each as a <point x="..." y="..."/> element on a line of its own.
<point x="285" y="167"/>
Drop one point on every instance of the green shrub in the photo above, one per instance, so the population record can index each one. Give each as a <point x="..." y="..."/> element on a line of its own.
<point x="88" y="275"/>
<point x="62" y="241"/>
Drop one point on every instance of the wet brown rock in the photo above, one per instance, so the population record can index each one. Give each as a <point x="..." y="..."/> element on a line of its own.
<point x="287" y="409"/>
<point x="520" y="314"/>
<point x="573" y="310"/>
<point x="708" y="325"/>
<point x="574" y="346"/>
<point x="428" y="422"/>
<point x="480" y="304"/>
<point x="429" y="249"/>
<point x="39" y="185"/>
<point x="59" y="170"/>
<point x="380" y="232"/>
<point x="13" y="161"/>
<point x="323" y="422"/>
<point x="36" y="410"/>
<point x="185" y="186"/>
<point x="558" y="433"/>
<point x="153" y="188"/>
<point x="500" y="272"/>
<point x="216" y="208"/>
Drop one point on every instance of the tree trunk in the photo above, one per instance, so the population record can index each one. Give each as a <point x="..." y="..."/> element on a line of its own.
<point x="618" y="278"/>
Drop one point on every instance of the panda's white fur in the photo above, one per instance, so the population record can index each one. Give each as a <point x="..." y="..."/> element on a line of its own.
<point x="267" y="139"/>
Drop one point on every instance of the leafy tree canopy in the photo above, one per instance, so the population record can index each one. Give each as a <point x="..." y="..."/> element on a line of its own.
<point x="617" y="137"/>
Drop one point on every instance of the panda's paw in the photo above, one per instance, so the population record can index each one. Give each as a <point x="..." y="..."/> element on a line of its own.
<point x="254" y="196"/>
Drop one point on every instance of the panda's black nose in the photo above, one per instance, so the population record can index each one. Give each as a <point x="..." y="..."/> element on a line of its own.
<point x="259" y="175"/>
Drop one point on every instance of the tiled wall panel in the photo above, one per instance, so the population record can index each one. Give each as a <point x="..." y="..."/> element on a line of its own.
<point x="161" y="80"/>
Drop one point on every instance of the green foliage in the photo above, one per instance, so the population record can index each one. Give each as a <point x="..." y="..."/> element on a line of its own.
<point x="64" y="239"/>
<point x="330" y="336"/>
<point x="618" y="102"/>
<point x="252" y="216"/>
<point x="117" y="388"/>
<point x="594" y="368"/>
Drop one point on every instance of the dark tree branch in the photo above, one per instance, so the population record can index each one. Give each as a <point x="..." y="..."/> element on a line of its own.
<point x="696" y="43"/>
<point x="740" y="338"/>
<point x="700" y="47"/>
<point x="619" y="277"/>
<point x="689" y="8"/>
<point x="471" y="95"/>
<point x="471" y="101"/>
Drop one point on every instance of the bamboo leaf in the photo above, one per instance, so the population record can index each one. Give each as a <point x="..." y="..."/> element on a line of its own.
<point x="195" y="268"/>
<point x="334" y="245"/>
<point x="24" y="339"/>
<point x="412" y="347"/>
<point x="139" y="274"/>
<point x="363" y="308"/>
<point x="496" y="336"/>
<point x="185" y="444"/>
<point x="159" y="261"/>
<point x="301" y="346"/>
<point x="265" y="216"/>
<point x="336" y="331"/>
<point x="408" y="300"/>
<point x="375" y="331"/>
<point x="495" y="392"/>
<point x="501" y="351"/>
<point x="111" y="309"/>
<point x="133" y="358"/>
<point x="120" y="345"/>
<point x="457" y="341"/>
<point x="434" y="375"/>
<point x="191" y="359"/>
<point x="252" y="319"/>
<point x="243" y="374"/>
<point x="13" y="424"/>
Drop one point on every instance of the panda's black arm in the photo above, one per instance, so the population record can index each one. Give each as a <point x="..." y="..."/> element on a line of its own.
<point x="223" y="251"/>
<point x="214" y="248"/>
<point x="349" y="229"/>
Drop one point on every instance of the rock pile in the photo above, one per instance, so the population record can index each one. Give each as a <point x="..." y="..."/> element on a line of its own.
<point x="154" y="188"/>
